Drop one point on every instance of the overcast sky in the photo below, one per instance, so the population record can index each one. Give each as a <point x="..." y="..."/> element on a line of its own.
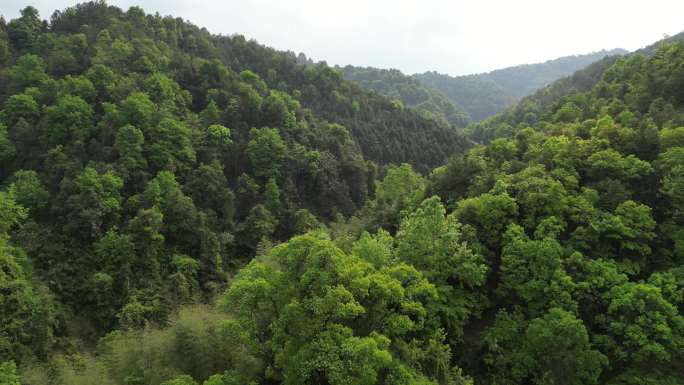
<point x="450" y="36"/>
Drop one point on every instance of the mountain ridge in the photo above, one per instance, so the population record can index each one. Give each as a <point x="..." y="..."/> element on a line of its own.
<point x="506" y="85"/>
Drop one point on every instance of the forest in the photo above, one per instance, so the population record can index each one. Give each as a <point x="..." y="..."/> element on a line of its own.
<point x="486" y="94"/>
<point x="461" y="100"/>
<point x="429" y="101"/>
<point x="183" y="208"/>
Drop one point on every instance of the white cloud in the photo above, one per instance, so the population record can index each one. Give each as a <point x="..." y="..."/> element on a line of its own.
<point x="454" y="36"/>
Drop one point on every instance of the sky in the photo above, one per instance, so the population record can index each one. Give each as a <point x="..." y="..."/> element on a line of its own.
<point x="449" y="36"/>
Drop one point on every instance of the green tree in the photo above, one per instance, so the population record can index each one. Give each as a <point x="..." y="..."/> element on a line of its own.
<point x="27" y="314"/>
<point x="28" y="190"/>
<point x="259" y="224"/>
<point x="490" y="214"/>
<point x="138" y="110"/>
<point x="129" y="144"/>
<point x="359" y="318"/>
<point x="71" y="118"/>
<point x="640" y="326"/>
<point x="93" y="201"/>
<point x="170" y="146"/>
<point x="28" y="71"/>
<point x="432" y="242"/>
<point x="216" y="142"/>
<point x="266" y="151"/>
<point x="551" y="349"/>
<point x="24" y="31"/>
<point x="399" y="192"/>
<point x="533" y="270"/>
<point x="21" y="106"/>
<point x="8" y="375"/>
<point x="7" y="148"/>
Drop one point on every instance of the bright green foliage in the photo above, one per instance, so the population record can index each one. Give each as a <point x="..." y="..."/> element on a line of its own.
<point x="672" y="137"/>
<point x="79" y="86"/>
<point x="359" y="316"/>
<point x="29" y="70"/>
<point x="11" y="213"/>
<point x="69" y="119"/>
<point x="170" y="147"/>
<point x="532" y="269"/>
<point x="137" y="109"/>
<point x="128" y="140"/>
<point x="183" y="282"/>
<point x="629" y="229"/>
<point x="377" y="249"/>
<point x="8" y="375"/>
<point x="399" y="192"/>
<point x="26" y="313"/>
<point x="216" y="141"/>
<point x="432" y="242"/>
<point x="272" y="196"/>
<point x="180" y="380"/>
<point x="490" y="214"/>
<point x="28" y="190"/>
<point x="7" y="148"/>
<point x="129" y="144"/>
<point x="266" y="151"/>
<point x="576" y="202"/>
<point x="641" y="326"/>
<point x="21" y="106"/>
<point x="560" y="346"/>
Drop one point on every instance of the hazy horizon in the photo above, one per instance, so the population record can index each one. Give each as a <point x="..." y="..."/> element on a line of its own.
<point x="439" y="35"/>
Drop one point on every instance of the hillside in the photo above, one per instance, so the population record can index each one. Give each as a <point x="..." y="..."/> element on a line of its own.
<point x="483" y="95"/>
<point x="543" y="103"/>
<point x="181" y="208"/>
<point x="144" y="160"/>
<point x="472" y="98"/>
<point x="579" y="211"/>
<point x="428" y="101"/>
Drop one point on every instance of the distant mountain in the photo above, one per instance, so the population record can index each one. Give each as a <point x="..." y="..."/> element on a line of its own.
<point x="544" y="102"/>
<point x="430" y="102"/>
<point x="483" y="95"/>
<point x="463" y="99"/>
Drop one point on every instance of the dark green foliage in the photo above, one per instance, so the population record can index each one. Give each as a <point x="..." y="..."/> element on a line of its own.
<point x="153" y="158"/>
<point x="578" y="213"/>
<point x="26" y="311"/>
<point x="150" y="169"/>
<point x="407" y="89"/>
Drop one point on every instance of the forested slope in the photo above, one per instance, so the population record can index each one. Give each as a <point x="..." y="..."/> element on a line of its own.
<point x="394" y="84"/>
<point x="579" y="215"/>
<point x="144" y="159"/>
<point x="546" y="101"/>
<point x="483" y="95"/>
<point x="136" y="188"/>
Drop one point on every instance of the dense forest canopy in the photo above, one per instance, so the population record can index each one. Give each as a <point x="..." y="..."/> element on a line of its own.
<point x="411" y="92"/>
<point x="471" y="98"/>
<point x="179" y="208"/>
